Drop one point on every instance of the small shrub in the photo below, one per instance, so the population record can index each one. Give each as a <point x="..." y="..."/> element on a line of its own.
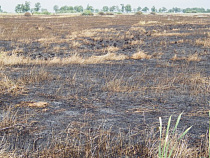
<point x="109" y="13"/>
<point x="153" y="13"/>
<point x="46" y="13"/>
<point x="101" y="13"/>
<point x="87" y="12"/>
<point x="27" y="14"/>
<point x="138" y="13"/>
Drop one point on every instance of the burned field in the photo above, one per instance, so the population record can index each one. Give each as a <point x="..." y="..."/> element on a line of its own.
<point x="96" y="86"/>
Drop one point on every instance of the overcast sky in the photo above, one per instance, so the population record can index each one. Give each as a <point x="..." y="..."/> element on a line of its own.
<point x="9" y="5"/>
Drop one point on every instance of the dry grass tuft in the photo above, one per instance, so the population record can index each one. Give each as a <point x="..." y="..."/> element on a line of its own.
<point x="9" y="118"/>
<point x="204" y="42"/>
<point x="108" y="56"/>
<point x="170" y="34"/>
<point x="140" y="55"/>
<point x="197" y="78"/>
<point x="36" y="76"/>
<point x="33" y="104"/>
<point x="8" y="86"/>
<point x="193" y="57"/>
<point x="174" y="58"/>
<point x="12" y="59"/>
<point x="146" y="23"/>
<point x="76" y="59"/>
<point x="111" y="49"/>
<point x="137" y="42"/>
<point x="139" y="29"/>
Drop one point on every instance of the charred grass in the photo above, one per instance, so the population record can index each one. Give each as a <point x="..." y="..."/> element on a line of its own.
<point x="95" y="86"/>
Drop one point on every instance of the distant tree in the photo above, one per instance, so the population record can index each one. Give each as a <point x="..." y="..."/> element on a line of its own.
<point x="1" y="10"/>
<point x="160" y="10"/>
<point x="63" y="9"/>
<point x="208" y="11"/>
<point x="105" y="9"/>
<point x="145" y="9"/>
<point x="56" y="8"/>
<point x="96" y="10"/>
<point x="32" y="10"/>
<point x="177" y="10"/>
<point x="19" y="8"/>
<point x="139" y="9"/>
<point x="117" y="8"/>
<point x="195" y="10"/>
<point x="164" y="9"/>
<point x="123" y="8"/>
<point x="112" y="8"/>
<point x="153" y="9"/>
<point x="37" y="7"/>
<point x="71" y="8"/>
<point x="90" y="8"/>
<point x="66" y="9"/>
<point x="80" y="9"/>
<point x="128" y="8"/>
<point x="45" y="11"/>
<point x="26" y="6"/>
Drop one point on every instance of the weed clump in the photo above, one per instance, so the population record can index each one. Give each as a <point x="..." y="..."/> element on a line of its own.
<point x="87" y="13"/>
<point x="101" y="13"/>
<point x="138" y="13"/>
<point x="27" y="14"/>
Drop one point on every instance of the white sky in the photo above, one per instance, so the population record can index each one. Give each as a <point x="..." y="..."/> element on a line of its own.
<point x="9" y="5"/>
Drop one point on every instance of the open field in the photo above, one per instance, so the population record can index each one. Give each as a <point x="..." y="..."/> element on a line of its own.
<point x="95" y="86"/>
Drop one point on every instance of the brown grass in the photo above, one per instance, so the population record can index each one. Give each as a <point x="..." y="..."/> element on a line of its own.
<point x="111" y="49"/>
<point x="140" y="55"/>
<point x="193" y="57"/>
<point x="170" y="34"/>
<point x="76" y="59"/>
<point x="8" y="86"/>
<point x="119" y="85"/>
<point x="36" y="76"/>
<point x="204" y="42"/>
<point x="39" y="104"/>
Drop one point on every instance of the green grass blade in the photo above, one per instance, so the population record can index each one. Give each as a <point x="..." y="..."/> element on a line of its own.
<point x="209" y="133"/>
<point x="185" y="132"/>
<point x="160" y="128"/>
<point x="171" y="151"/>
<point x="166" y="144"/>
<point x="177" y="122"/>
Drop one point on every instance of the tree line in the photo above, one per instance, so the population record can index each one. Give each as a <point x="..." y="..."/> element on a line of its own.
<point x="122" y="8"/>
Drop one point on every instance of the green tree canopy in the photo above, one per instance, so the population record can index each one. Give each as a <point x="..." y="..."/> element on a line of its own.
<point x="1" y="10"/>
<point x="145" y="9"/>
<point x="90" y="8"/>
<point x="128" y="8"/>
<point x="37" y="7"/>
<point x="112" y="8"/>
<point x="164" y="9"/>
<point x="26" y="6"/>
<point x="21" y="8"/>
<point x="153" y="9"/>
<point x="78" y="8"/>
<point x="56" y="8"/>
<point x="139" y="9"/>
<point x="123" y="8"/>
<point x="105" y="9"/>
